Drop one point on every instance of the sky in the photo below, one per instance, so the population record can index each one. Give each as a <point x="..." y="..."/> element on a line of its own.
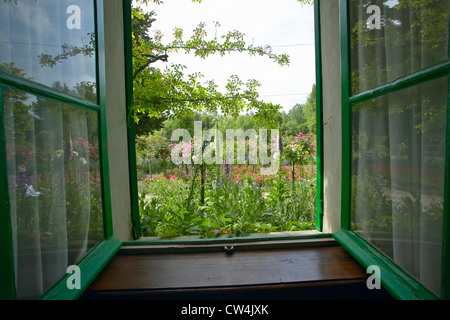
<point x="283" y="24"/>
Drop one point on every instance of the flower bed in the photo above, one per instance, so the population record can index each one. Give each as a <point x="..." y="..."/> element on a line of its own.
<point x="213" y="200"/>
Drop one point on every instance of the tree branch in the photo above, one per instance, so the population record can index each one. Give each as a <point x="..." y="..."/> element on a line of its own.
<point x="151" y="60"/>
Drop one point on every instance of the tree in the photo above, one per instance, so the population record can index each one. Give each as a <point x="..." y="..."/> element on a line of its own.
<point x="160" y="94"/>
<point x="309" y="111"/>
<point x="301" y="118"/>
<point x="170" y="92"/>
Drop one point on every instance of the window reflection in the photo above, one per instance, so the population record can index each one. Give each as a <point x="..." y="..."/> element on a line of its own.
<point x="398" y="176"/>
<point x="54" y="186"/>
<point x="52" y="42"/>
<point x="411" y="35"/>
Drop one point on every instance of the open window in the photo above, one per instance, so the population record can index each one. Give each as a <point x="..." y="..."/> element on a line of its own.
<point x="230" y="195"/>
<point x="395" y="93"/>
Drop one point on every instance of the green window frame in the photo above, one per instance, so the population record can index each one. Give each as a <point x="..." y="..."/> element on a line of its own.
<point x="398" y="283"/>
<point x="319" y="119"/>
<point x="131" y="126"/>
<point x="94" y="261"/>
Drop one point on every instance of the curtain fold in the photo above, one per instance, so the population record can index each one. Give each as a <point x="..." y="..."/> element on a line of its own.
<point x="54" y="189"/>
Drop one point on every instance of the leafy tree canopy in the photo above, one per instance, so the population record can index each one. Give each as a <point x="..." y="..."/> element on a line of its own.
<point x="164" y="93"/>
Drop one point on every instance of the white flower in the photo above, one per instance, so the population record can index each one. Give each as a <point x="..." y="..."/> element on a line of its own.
<point x="30" y="192"/>
<point x="83" y="160"/>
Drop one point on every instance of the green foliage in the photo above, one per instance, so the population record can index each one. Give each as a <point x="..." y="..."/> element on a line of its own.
<point x="301" y="118"/>
<point x="299" y="149"/>
<point x="171" y="92"/>
<point x="213" y="200"/>
<point x="306" y="2"/>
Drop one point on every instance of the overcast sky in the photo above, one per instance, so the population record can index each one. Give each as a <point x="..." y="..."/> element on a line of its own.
<point x="283" y="24"/>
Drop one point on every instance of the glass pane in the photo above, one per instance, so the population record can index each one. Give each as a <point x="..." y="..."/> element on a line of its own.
<point x="51" y="42"/>
<point x="398" y="176"/>
<point x="54" y="188"/>
<point x="393" y="38"/>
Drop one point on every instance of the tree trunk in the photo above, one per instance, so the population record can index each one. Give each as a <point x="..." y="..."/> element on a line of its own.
<point x="202" y="182"/>
<point x="293" y="175"/>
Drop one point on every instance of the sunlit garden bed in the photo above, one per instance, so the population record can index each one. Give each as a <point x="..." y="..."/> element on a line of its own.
<point x="220" y="200"/>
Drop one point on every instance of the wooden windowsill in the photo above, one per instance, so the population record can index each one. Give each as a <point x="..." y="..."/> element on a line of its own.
<point x="322" y="269"/>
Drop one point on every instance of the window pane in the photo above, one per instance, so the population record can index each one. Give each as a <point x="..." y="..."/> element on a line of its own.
<point x="411" y="35"/>
<point x="398" y="176"/>
<point x="51" y="42"/>
<point x="54" y="188"/>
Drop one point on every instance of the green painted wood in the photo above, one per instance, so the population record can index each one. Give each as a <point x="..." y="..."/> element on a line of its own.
<point x="131" y="127"/>
<point x="346" y="117"/>
<point x="18" y="83"/>
<point x="445" y="293"/>
<point x="395" y="280"/>
<point x="103" y="132"/>
<point x="7" y="283"/>
<point x="429" y="73"/>
<point x="90" y="267"/>
<point x="319" y="119"/>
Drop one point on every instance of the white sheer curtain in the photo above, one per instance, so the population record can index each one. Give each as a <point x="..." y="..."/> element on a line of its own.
<point x="399" y="138"/>
<point x="53" y="188"/>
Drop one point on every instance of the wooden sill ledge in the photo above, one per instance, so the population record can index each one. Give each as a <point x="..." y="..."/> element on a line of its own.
<point x="323" y="271"/>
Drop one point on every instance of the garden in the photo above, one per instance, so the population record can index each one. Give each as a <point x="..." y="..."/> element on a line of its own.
<point x="235" y="197"/>
<point x="211" y="200"/>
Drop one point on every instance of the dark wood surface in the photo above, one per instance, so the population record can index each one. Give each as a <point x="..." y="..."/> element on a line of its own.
<point x="219" y="269"/>
<point x="218" y="273"/>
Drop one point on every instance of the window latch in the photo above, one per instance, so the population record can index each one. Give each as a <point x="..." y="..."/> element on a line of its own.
<point x="228" y="249"/>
